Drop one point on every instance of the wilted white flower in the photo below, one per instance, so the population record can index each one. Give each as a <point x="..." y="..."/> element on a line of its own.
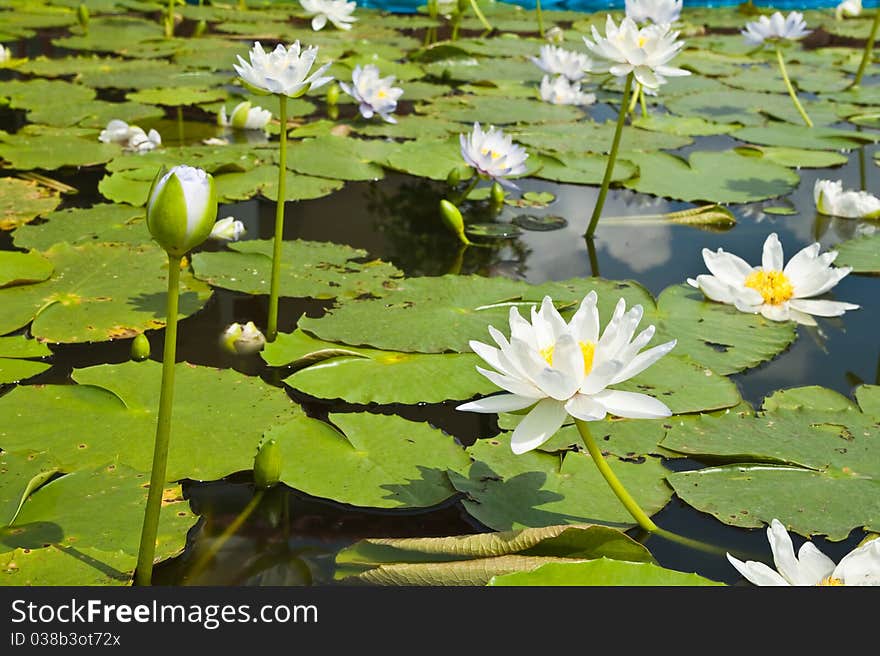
<point x="831" y="199"/>
<point x="493" y="154"/>
<point x="778" y="293"/>
<point x="560" y="91"/>
<point x="243" y="340"/>
<point x="644" y="52"/>
<point x="244" y="117"/>
<point x="228" y="229"/>
<point x="338" y="12"/>
<point x="566" y="369"/>
<point x="849" y="8"/>
<point x="659" y="12"/>
<point x="559" y="61"/>
<point x="776" y="28"/>
<point x="555" y="34"/>
<point x="861" y="566"/>
<point x="284" y="71"/>
<point x="117" y="131"/>
<point x="131" y="137"/>
<point x="181" y="208"/>
<point x="376" y="95"/>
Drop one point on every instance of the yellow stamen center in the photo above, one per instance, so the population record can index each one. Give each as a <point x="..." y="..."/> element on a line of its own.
<point x="642" y="41"/>
<point x="828" y="580"/>
<point x="774" y="286"/>
<point x="381" y="93"/>
<point x="588" y="351"/>
<point x="491" y="153"/>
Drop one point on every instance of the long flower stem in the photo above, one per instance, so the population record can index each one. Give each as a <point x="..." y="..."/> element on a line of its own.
<point x="609" y="167"/>
<point x="628" y="502"/>
<point x="791" y="91"/>
<point x="180" y="124"/>
<point x="635" y="97"/>
<point x="464" y="194"/>
<point x="272" y="321"/>
<point x="480" y="16"/>
<point x="642" y="101"/>
<point x="169" y="21"/>
<point x="540" y="17"/>
<point x="147" y="550"/>
<point x="869" y="47"/>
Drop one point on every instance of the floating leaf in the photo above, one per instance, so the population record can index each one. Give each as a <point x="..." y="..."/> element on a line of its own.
<point x="18" y="268"/>
<point x="861" y="253"/>
<point x="31" y="149"/>
<point x="582" y="168"/>
<point x="14" y="366"/>
<point x="602" y="572"/>
<point x="539" y="223"/>
<point x="794" y="157"/>
<point x="333" y="157"/>
<point x="800" y="136"/>
<point x="591" y="137"/>
<point x="498" y="110"/>
<point x="102" y="223"/>
<point x="21" y="201"/>
<point x="20" y="474"/>
<point x="177" y="96"/>
<point x="264" y="181"/>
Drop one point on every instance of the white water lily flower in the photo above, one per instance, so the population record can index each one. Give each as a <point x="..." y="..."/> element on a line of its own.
<point x="117" y="131"/>
<point x="142" y="142"/>
<point x="376" y="95"/>
<point x="338" y="12"/>
<point x="861" y="566"/>
<point x="284" y="71"/>
<point x="243" y="339"/>
<point x="566" y="369"/>
<point x="560" y="91"/>
<point x="831" y="199"/>
<point x="849" y="8"/>
<point x="659" y="12"/>
<point x="778" y="293"/>
<point x="227" y="229"/>
<point x="244" y="117"/>
<point x="181" y="208"/>
<point x="5" y="53"/>
<point x="644" y="52"/>
<point x="776" y="28"/>
<point x="559" y="61"/>
<point x="493" y="154"/>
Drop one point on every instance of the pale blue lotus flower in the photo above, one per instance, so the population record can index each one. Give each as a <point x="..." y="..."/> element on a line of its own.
<point x="375" y="95"/>
<point x="493" y="154"/>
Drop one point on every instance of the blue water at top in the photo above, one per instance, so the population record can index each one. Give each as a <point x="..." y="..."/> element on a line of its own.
<point x="410" y="6"/>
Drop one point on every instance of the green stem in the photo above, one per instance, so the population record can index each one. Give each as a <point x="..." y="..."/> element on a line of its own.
<point x="456" y="23"/>
<point x="609" y="167"/>
<point x="629" y="503"/>
<point x="147" y="550"/>
<point x="540" y="17"/>
<point x="223" y="538"/>
<point x="594" y="261"/>
<point x="791" y="91"/>
<point x="169" y="21"/>
<point x="272" y="323"/>
<point x="862" y="173"/>
<point x="642" y="101"/>
<point x="635" y="97"/>
<point x="480" y="15"/>
<point x="869" y="47"/>
<point x="180" y="124"/>
<point x="464" y="194"/>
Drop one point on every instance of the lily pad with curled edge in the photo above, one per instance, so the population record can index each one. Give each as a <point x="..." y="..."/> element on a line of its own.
<point x="343" y="158"/>
<point x="19" y="358"/>
<point x="686" y="126"/>
<point x="591" y="137"/>
<point x="794" y="157"/>
<point x="601" y="572"/>
<point x="102" y="223"/>
<point x="717" y="177"/>
<point x="368" y="460"/>
<point x="800" y="136"/>
<point x="84" y="529"/>
<point x="812" y="465"/>
<point x="715" y="334"/>
<point x="309" y="269"/>
<point x="21" y="473"/>
<point x="334" y="371"/>
<point x="110" y="416"/>
<point x="443" y="313"/>
<point x="861" y="253"/>
<point x="506" y="491"/>
<point x="35" y="148"/>
<point x="474" y="559"/>
<point x="263" y="180"/>
<point x="499" y="111"/>
<point x="581" y="168"/>
<point x="18" y="268"/>
<point x="98" y="292"/>
<point x="177" y="96"/>
<point x="532" y="199"/>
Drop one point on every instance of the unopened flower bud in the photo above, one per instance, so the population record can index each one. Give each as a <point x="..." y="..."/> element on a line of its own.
<point x="140" y="348"/>
<point x="332" y="94"/>
<point x="82" y="16"/>
<point x="181" y="208"/>
<point x="496" y="194"/>
<point x="243" y="340"/>
<point x="453" y="220"/>
<point x="453" y="177"/>
<point x="267" y="465"/>
<point x="200" y="28"/>
<point x="228" y="229"/>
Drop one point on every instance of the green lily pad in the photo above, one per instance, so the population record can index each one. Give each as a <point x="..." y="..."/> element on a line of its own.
<point x="580" y="168"/>
<point x="84" y="529"/>
<point x="800" y="136"/>
<point x="794" y="157"/>
<point x="377" y="461"/>
<point x="591" y="137"/>
<point x="717" y="177"/>
<point x="110" y="416"/>
<point x="602" y="572"/>
<point x="424" y="158"/>
<point x="21" y="201"/>
<point x="21" y="474"/>
<point x="102" y="223"/>
<point x="685" y="126"/>
<point x="813" y="469"/>
<point x="506" y="491"/>
<point x="14" y="365"/>
<point x="263" y="180"/>
<point x="333" y="157"/>
<point x="410" y="126"/>
<point x="330" y="371"/>
<point x="18" y="268"/>
<point x="308" y="269"/>
<point x="33" y="94"/>
<point x="77" y="304"/>
<point x="861" y="253"/>
<point x="32" y="149"/>
<point x="177" y="96"/>
<point x="499" y="110"/>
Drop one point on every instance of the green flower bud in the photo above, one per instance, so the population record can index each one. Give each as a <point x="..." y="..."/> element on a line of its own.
<point x="140" y="348"/>
<point x="433" y="8"/>
<point x="82" y="16"/>
<point x="267" y="465"/>
<point x="453" y="177"/>
<point x="453" y="220"/>
<point x="333" y="112"/>
<point x="496" y="194"/>
<point x="181" y="208"/>
<point x="332" y="94"/>
<point x="200" y="28"/>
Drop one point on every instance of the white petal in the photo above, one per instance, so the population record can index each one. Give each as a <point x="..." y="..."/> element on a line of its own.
<point x="642" y="361"/>
<point x="814" y="565"/>
<point x="538" y="426"/>
<point x="860" y="566"/>
<point x="783" y="553"/>
<point x="512" y="385"/>
<point x="632" y="405"/>
<point x="584" y="407"/>
<point x="776" y="312"/>
<point x="727" y="267"/>
<point x="499" y="403"/>
<point x="772" y="259"/>
<point x="822" y="308"/>
<point x="757" y="573"/>
<point x="714" y="289"/>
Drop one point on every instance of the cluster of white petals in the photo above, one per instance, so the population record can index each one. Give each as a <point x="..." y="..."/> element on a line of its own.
<point x="832" y="200"/>
<point x="284" y="71"/>
<point x="130" y="137"/>
<point x="559" y="90"/>
<point x="659" y="12"/>
<point x="244" y="117"/>
<point x="227" y="229"/>
<point x="493" y="154"/>
<point x="375" y="95"/>
<point x="776" y="28"/>
<point x="861" y="566"/>
<point x="778" y="293"/>
<point x="559" y="61"/>
<point x="645" y="52"/>
<point x="243" y="340"/>
<point x="566" y="369"/>
<point x="848" y="8"/>
<point x="338" y="12"/>
<point x="5" y="53"/>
